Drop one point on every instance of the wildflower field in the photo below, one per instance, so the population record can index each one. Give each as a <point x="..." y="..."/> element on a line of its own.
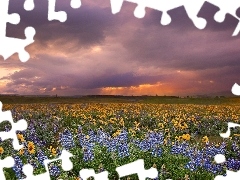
<point x="180" y="140"/>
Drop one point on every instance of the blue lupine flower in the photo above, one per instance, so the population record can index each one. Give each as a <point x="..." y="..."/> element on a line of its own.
<point x="41" y="157"/>
<point x="66" y="139"/>
<point x="144" y="145"/>
<point x="33" y="163"/>
<point x="123" y="150"/>
<point x="54" y="171"/>
<point x="88" y="154"/>
<point x="156" y="151"/>
<point x="92" y="135"/>
<point x="111" y="145"/>
<point x="17" y="168"/>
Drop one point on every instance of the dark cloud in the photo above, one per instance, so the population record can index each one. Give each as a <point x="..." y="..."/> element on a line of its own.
<point x="120" y="80"/>
<point x="86" y="25"/>
<point x="40" y="79"/>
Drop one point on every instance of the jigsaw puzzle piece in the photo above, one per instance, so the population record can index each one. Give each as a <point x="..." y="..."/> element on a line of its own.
<point x="67" y="165"/>
<point x="61" y="15"/>
<point x="5" y="17"/>
<point x="137" y="167"/>
<point x="53" y="15"/>
<point x="21" y="125"/>
<point x="192" y="8"/>
<point x="230" y="7"/>
<point x="8" y="162"/>
<point x="9" y="46"/>
<point x="236" y="87"/>
<point x="139" y="12"/>
<point x="87" y="173"/>
<point x="225" y="8"/>
<point x="229" y="175"/>
<point x="75" y="4"/>
<point x="208" y="12"/>
<point x="180" y="19"/>
<point x="28" y="171"/>
<point x="220" y="158"/>
<point x="29" y="5"/>
<point x="228" y="133"/>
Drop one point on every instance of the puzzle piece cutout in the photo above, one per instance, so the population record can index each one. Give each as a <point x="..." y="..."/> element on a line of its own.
<point x="87" y="173"/>
<point x="229" y="175"/>
<point x="61" y="15"/>
<point x="220" y="158"/>
<point x="67" y="165"/>
<point x="228" y="133"/>
<point x="75" y="4"/>
<point x="8" y="162"/>
<point x="29" y="5"/>
<point x="192" y="8"/>
<point x="236" y="89"/>
<point x="9" y="46"/>
<point x="227" y="8"/>
<point x="137" y="167"/>
<point x="209" y="12"/>
<point x="52" y="14"/>
<point x="21" y="125"/>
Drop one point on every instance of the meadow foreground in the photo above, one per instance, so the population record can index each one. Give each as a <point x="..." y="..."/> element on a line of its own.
<point x="180" y="140"/>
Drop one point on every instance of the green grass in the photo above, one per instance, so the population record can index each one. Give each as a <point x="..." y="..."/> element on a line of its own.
<point x="120" y="99"/>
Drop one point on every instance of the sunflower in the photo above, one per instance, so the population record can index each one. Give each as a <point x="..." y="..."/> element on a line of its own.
<point x="31" y="147"/>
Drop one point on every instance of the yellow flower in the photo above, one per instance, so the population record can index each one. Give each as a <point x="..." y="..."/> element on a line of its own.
<point x="165" y="141"/>
<point x="1" y="150"/>
<point x="136" y="125"/>
<point x="31" y="147"/>
<point x="20" y="137"/>
<point x="53" y="151"/>
<point x="205" y="139"/>
<point x="160" y="125"/>
<point x="186" y="137"/>
<point x="21" y="151"/>
<point x="30" y="143"/>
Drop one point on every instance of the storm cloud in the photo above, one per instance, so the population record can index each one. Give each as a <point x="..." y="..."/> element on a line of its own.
<point x="96" y="52"/>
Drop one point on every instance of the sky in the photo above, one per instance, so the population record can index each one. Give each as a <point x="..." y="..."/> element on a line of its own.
<point x="97" y="52"/>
